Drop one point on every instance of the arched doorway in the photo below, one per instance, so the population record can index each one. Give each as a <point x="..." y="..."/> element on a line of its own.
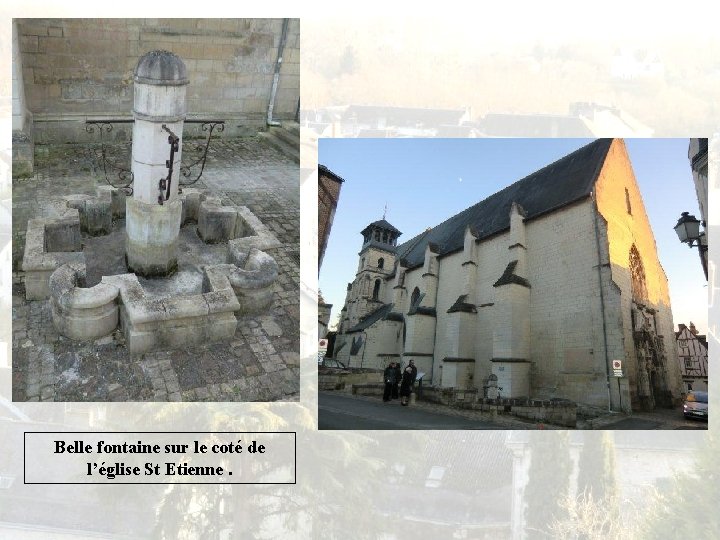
<point x="651" y="382"/>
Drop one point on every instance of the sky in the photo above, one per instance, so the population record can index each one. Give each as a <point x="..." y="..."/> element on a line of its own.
<point x="425" y="181"/>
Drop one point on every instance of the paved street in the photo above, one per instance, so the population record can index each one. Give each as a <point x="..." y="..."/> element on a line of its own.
<point x="657" y="419"/>
<point x="336" y="411"/>
<point x="260" y="364"/>
<point x="343" y="411"/>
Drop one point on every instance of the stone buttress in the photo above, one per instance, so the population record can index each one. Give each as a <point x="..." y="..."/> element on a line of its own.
<point x="459" y="364"/>
<point x="511" y="328"/>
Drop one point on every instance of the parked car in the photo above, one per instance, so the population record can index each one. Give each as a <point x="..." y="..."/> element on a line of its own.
<point x="696" y="405"/>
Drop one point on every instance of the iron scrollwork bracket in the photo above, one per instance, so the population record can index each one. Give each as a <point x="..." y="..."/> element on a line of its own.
<point x="110" y="166"/>
<point x="191" y="171"/>
<point x="201" y="150"/>
<point x="165" y="183"/>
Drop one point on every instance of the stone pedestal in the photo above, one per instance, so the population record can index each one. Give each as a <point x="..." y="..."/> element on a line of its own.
<point x="151" y="237"/>
<point x="154" y="214"/>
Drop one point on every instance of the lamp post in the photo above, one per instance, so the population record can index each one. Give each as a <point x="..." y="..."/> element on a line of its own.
<point x="688" y="231"/>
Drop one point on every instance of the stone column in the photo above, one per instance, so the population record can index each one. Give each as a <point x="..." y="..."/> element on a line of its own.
<point x="154" y="213"/>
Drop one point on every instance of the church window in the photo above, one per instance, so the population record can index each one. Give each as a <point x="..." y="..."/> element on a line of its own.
<point x="415" y="296"/>
<point x="637" y="274"/>
<point x="376" y="289"/>
<point x="381" y="262"/>
<point x="377" y="235"/>
<point x="627" y="201"/>
<point x="385" y="238"/>
<point x="362" y="263"/>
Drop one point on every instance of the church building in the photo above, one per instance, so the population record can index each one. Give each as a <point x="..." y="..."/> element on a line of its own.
<point x="546" y="285"/>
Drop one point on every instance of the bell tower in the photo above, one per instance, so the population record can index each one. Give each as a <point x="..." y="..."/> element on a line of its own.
<point x="371" y="287"/>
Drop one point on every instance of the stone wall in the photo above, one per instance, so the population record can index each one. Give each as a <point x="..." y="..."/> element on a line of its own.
<point x="559" y="413"/>
<point x="345" y="379"/>
<point x="75" y="69"/>
<point x="18" y="89"/>
<point x="567" y="346"/>
<point x="616" y="188"/>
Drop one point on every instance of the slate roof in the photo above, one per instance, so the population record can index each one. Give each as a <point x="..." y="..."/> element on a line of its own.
<point x="371" y="318"/>
<point x="381" y="224"/>
<point x="563" y="182"/>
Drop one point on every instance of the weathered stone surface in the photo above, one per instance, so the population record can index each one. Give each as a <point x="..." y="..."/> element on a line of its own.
<point x="252" y="233"/>
<point x="98" y="216"/>
<point x="152" y="236"/>
<point x="161" y="68"/>
<point x="39" y="262"/>
<point x="253" y="283"/>
<point x="216" y="223"/>
<point x="23" y="160"/>
<point x="78" y="313"/>
<point x="170" y="323"/>
<point x="63" y="235"/>
<point x="215" y="277"/>
<point x="117" y="199"/>
<point x="191" y="199"/>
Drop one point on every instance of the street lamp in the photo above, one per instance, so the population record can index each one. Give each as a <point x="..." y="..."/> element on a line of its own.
<point x="688" y="231"/>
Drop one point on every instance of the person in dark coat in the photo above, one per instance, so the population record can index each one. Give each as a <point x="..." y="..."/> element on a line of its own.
<point x="406" y="385"/>
<point x="398" y="378"/>
<point x="414" y="372"/>
<point x="389" y="378"/>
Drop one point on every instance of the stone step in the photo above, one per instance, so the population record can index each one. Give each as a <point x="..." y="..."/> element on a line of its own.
<point x="280" y="144"/>
<point x="293" y="139"/>
<point x="292" y="127"/>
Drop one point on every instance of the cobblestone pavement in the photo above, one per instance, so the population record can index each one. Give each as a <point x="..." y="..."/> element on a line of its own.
<point x="262" y="361"/>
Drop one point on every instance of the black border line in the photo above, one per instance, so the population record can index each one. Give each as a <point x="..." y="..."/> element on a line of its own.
<point x="294" y="433"/>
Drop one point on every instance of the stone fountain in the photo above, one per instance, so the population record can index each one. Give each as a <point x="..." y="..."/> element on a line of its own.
<point x="155" y="309"/>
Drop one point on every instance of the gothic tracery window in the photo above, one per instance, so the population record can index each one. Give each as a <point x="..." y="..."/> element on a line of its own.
<point x="414" y="297"/>
<point x="637" y="274"/>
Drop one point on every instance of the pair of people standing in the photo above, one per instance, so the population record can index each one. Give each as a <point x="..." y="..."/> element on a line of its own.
<point x="393" y="377"/>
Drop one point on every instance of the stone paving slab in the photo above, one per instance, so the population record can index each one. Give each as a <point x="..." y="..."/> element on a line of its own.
<point x="261" y="363"/>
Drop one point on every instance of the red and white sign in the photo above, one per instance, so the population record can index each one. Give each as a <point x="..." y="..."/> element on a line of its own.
<point x="322" y="344"/>
<point x="617" y="368"/>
